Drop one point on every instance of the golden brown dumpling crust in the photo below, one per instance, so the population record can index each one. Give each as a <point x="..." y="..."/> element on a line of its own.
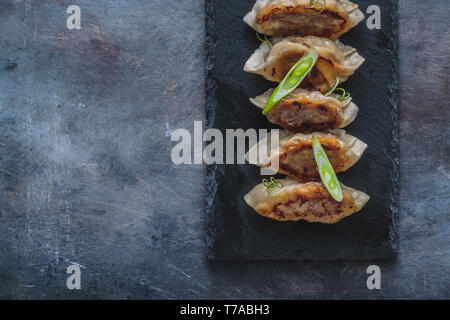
<point x="327" y="24"/>
<point x="322" y="76"/>
<point x="297" y="158"/>
<point x="304" y="110"/>
<point x="305" y="201"/>
<point x="294" y="155"/>
<point x="312" y="203"/>
<point x="297" y="114"/>
<point x="328" y="19"/>
<point x="335" y="61"/>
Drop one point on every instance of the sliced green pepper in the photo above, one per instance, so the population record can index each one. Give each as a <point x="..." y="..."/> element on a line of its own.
<point x="292" y="80"/>
<point x="326" y="171"/>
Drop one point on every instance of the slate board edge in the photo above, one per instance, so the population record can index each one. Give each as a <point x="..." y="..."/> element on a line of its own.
<point x="393" y="90"/>
<point x="211" y="108"/>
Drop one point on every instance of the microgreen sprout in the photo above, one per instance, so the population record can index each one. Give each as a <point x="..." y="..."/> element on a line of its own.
<point x="266" y="39"/>
<point x="345" y="94"/>
<point x="272" y="185"/>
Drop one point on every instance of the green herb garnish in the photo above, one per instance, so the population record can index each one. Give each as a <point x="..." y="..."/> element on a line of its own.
<point x="266" y="39"/>
<point x="292" y="80"/>
<point x="272" y="184"/>
<point x="334" y="88"/>
<point x="345" y="94"/>
<point x="314" y="2"/>
<point x="326" y="171"/>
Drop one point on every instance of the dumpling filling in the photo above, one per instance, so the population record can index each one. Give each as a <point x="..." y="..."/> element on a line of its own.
<point x="304" y="110"/>
<point x="335" y="61"/>
<point x="310" y="202"/>
<point x="328" y="19"/>
<point x="295" y="156"/>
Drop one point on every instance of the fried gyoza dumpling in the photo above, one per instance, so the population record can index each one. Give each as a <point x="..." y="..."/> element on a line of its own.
<point x="310" y="202"/>
<point x="295" y="154"/>
<point x="328" y="19"/>
<point x="303" y="110"/>
<point x="335" y="61"/>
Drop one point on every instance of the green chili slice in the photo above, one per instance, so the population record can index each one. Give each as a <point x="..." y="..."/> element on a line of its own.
<point x="292" y="80"/>
<point x="326" y="171"/>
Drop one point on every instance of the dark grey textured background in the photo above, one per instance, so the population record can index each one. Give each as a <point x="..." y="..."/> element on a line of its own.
<point x="86" y="177"/>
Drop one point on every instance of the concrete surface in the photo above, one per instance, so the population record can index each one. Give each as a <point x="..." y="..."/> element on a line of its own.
<point x="86" y="177"/>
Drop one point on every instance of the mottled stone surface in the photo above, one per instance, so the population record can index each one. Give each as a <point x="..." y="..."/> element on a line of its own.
<point x="86" y="177"/>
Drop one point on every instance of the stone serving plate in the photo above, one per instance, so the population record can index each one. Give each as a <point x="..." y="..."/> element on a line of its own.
<point x="234" y="230"/>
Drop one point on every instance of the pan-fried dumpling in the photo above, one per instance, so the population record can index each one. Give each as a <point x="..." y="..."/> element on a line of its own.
<point x="335" y="61"/>
<point x="295" y="154"/>
<point x="303" y="110"/>
<point x="309" y="201"/>
<point x="299" y="17"/>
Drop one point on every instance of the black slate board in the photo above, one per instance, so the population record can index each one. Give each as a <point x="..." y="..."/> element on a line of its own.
<point x="234" y="230"/>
